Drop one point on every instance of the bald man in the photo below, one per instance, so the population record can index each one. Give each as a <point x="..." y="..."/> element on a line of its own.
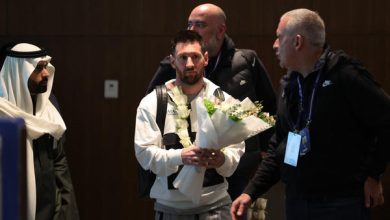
<point x="238" y="72"/>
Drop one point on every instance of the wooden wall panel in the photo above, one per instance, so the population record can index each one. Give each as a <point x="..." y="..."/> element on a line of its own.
<point x="75" y="17"/>
<point x="165" y="18"/>
<point x="263" y="47"/>
<point x="386" y="8"/>
<point x="347" y="17"/>
<point x="46" y="17"/>
<point x="386" y="71"/>
<point x="244" y="17"/>
<point x="3" y="17"/>
<point x="274" y="9"/>
<point x="365" y="49"/>
<point x="94" y="40"/>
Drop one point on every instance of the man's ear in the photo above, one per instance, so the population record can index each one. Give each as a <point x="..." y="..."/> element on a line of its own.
<point x="172" y="61"/>
<point x="206" y="58"/>
<point x="221" y="31"/>
<point x="298" y="42"/>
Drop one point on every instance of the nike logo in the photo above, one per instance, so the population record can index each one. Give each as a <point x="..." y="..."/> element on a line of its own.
<point x="327" y="83"/>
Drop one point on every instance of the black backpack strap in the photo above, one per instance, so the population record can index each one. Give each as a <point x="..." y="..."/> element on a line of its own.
<point x="162" y="102"/>
<point x="146" y="178"/>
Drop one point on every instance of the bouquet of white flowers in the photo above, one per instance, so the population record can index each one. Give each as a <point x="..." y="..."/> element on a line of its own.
<point x="221" y="124"/>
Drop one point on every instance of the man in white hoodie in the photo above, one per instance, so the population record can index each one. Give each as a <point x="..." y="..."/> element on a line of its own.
<point x="166" y="154"/>
<point x="26" y="80"/>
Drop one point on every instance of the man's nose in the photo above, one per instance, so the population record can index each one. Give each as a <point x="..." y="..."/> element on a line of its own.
<point x="191" y="27"/>
<point x="189" y="62"/>
<point x="45" y="72"/>
<point x="276" y="44"/>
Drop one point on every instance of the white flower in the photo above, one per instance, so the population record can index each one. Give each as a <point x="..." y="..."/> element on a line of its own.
<point x="181" y="132"/>
<point x="183" y="135"/>
<point x="237" y="110"/>
<point x="182" y="111"/>
<point x="186" y="141"/>
<point x="218" y="129"/>
<point x="181" y="117"/>
<point x="180" y="123"/>
<point x="178" y="97"/>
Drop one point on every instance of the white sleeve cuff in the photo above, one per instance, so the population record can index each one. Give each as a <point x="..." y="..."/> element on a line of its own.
<point x="175" y="157"/>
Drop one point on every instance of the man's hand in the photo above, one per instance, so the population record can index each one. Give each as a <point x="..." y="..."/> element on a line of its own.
<point x="207" y="158"/>
<point x="373" y="193"/>
<point x="213" y="158"/>
<point x="240" y="206"/>
<point x="193" y="155"/>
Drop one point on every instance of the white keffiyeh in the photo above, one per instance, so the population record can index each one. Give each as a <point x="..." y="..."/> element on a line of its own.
<point x="15" y="101"/>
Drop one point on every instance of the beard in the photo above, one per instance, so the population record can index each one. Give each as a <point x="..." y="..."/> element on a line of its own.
<point x="41" y="88"/>
<point x="211" y="46"/>
<point x="190" y="76"/>
<point x="36" y="88"/>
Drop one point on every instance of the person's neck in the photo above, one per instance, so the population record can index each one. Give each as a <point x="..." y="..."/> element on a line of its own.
<point x="309" y="62"/>
<point x="214" y="53"/>
<point x="191" y="89"/>
<point x="34" y="102"/>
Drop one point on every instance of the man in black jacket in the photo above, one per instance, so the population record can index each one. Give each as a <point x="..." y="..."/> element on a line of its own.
<point x="26" y="80"/>
<point x="331" y="141"/>
<point x="238" y="72"/>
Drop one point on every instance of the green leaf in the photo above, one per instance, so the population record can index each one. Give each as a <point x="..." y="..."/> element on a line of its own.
<point x="209" y="106"/>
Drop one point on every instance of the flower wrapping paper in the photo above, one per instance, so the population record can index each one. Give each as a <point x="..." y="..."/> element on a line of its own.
<point x="215" y="132"/>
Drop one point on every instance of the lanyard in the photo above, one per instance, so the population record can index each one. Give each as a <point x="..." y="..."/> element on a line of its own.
<point x="320" y="66"/>
<point x="215" y="65"/>
<point x="300" y="92"/>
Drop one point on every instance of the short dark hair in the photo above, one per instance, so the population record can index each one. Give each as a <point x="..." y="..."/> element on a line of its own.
<point x="184" y="36"/>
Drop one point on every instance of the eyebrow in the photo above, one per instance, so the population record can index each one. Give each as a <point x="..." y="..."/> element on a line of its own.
<point x="189" y="53"/>
<point x="197" y="22"/>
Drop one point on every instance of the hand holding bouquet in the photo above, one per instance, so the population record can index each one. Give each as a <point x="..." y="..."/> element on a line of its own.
<point x="221" y="124"/>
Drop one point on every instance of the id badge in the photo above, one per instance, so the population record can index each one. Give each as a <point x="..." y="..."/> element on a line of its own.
<point x="305" y="141"/>
<point x="292" y="149"/>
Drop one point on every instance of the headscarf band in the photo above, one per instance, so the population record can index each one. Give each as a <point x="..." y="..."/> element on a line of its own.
<point x="26" y="54"/>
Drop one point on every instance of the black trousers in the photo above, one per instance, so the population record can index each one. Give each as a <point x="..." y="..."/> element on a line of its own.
<point x="327" y="209"/>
